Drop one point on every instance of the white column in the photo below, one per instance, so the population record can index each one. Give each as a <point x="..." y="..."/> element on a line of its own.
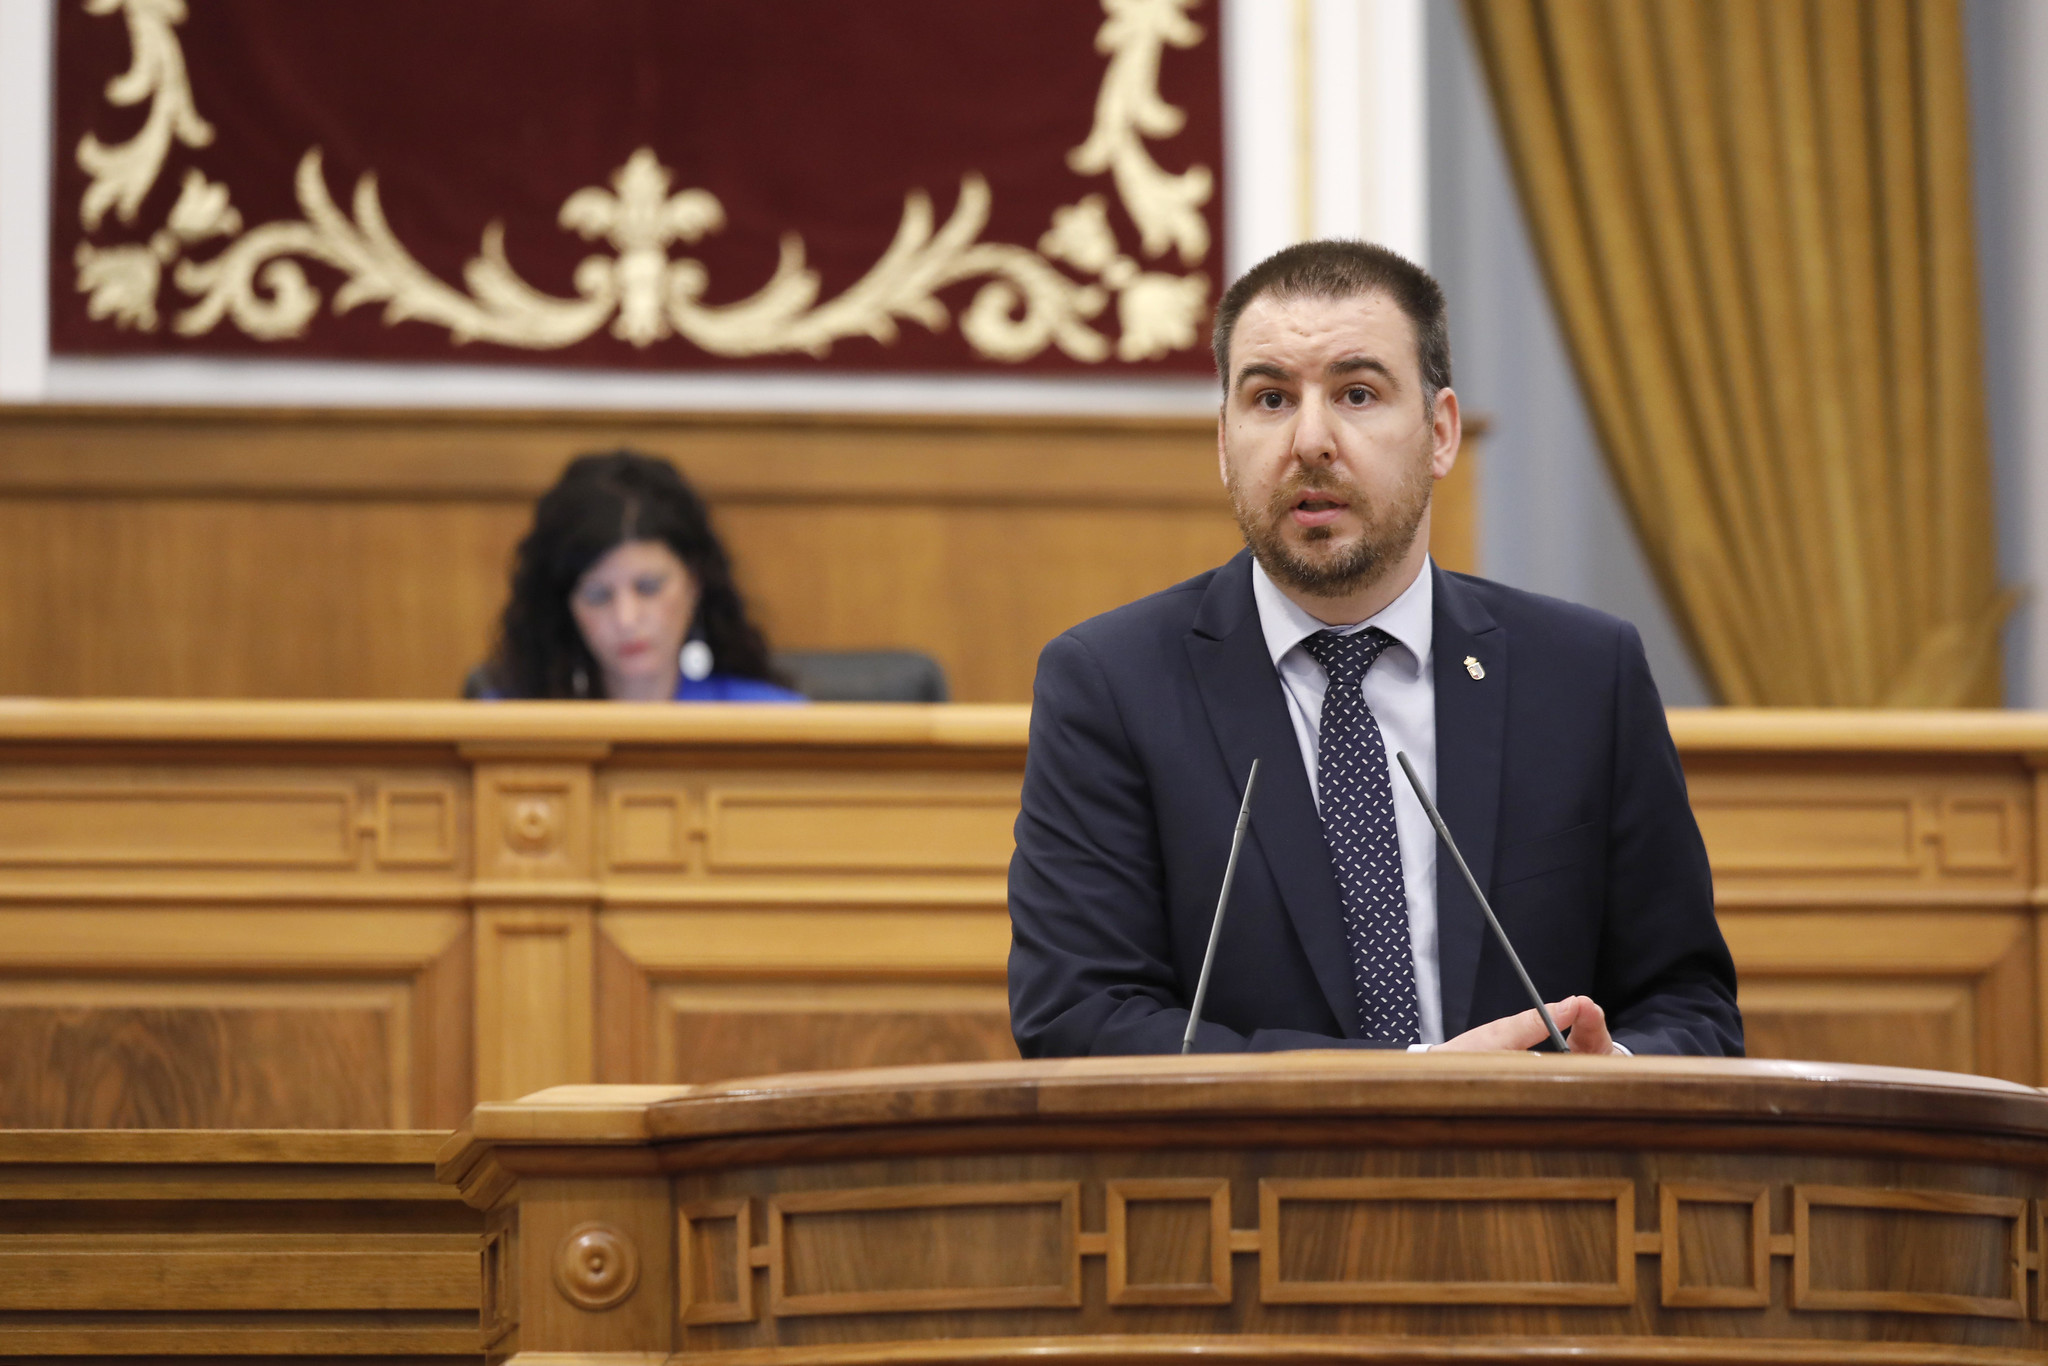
<point x="27" y="29"/>
<point x="2028" y="151"/>
<point x="1391" y="126"/>
<point x="1325" y="125"/>
<point x="1262" y="162"/>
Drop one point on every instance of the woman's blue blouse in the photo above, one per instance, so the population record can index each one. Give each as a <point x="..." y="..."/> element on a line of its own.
<point x="731" y="688"/>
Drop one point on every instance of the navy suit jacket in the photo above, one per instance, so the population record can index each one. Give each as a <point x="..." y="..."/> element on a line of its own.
<point x="1555" y="772"/>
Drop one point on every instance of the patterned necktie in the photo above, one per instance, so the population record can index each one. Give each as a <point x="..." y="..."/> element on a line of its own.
<point x="1357" y="794"/>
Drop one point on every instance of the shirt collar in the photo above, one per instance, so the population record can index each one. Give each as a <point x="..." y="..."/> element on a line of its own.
<point x="1409" y="619"/>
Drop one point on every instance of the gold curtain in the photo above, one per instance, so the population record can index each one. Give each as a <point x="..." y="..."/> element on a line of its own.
<point x="1754" y="216"/>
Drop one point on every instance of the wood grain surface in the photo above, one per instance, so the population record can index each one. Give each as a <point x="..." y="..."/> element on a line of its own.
<point x="1316" y="1206"/>
<point x="185" y="552"/>
<point x="363" y="914"/>
<point x="233" y="1246"/>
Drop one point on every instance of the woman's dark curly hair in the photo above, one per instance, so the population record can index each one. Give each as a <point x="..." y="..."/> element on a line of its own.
<point x="600" y="503"/>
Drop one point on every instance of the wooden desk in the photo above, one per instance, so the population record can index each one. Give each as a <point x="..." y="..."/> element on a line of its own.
<point x="225" y="1246"/>
<point x="370" y="915"/>
<point x="1309" y="1207"/>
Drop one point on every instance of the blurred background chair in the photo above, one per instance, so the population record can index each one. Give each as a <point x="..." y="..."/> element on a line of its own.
<point x="864" y="675"/>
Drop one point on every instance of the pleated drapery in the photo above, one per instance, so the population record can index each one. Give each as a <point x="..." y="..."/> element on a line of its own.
<point x="1754" y="217"/>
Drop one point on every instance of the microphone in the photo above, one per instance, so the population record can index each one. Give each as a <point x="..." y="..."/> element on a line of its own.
<point x="1244" y="813"/>
<point x="1444" y="832"/>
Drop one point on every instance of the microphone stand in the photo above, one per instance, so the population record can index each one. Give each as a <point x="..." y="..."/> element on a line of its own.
<point x="1444" y="832"/>
<point x="1244" y="812"/>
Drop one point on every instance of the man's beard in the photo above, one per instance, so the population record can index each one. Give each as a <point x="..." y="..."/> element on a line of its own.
<point x="1388" y="531"/>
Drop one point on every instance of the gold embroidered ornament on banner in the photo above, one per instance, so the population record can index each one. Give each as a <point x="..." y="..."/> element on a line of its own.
<point x="1026" y="302"/>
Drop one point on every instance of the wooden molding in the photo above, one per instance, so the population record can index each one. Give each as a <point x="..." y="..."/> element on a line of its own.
<point x="842" y="1256"/>
<point x="1212" y="1194"/>
<point x="699" y="1271"/>
<point x="1675" y="1291"/>
<point x="1806" y="1199"/>
<point x="1492" y="1230"/>
<point x="1275" y="1287"/>
<point x="533" y="1000"/>
<point x="220" y="1245"/>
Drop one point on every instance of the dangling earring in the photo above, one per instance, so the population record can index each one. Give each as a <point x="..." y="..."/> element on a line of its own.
<point x="694" y="659"/>
<point x="580" y="681"/>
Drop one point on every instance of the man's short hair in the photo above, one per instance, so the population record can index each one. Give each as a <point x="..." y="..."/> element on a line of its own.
<point x="1340" y="268"/>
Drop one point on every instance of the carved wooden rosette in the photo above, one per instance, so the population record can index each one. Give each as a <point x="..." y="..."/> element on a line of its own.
<point x="1330" y="1205"/>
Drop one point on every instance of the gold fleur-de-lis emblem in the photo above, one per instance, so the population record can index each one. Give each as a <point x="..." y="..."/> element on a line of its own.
<point x="640" y="218"/>
<point x="1474" y="667"/>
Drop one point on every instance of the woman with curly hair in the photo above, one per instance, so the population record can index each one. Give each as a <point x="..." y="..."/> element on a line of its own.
<point x="621" y="590"/>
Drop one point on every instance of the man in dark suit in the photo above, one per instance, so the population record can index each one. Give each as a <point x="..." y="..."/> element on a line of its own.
<point x="1328" y="646"/>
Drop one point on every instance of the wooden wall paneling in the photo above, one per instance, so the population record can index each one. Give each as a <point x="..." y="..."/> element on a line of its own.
<point x="763" y="919"/>
<point x="1951" y="990"/>
<point x="739" y="991"/>
<point x="1878" y="904"/>
<point x="534" y="977"/>
<point x="921" y="823"/>
<point x="709" y="1031"/>
<point x="206" y="823"/>
<point x="233" y="1247"/>
<point x="210" y="1054"/>
<point x="728" y="823"/>
<point x="351" y="553"/>
<point x="444" y="1030"/>
<point x="982" y="588"/>
<point x="370" y="914"/>
<point x="1897" y="828"/>
<point x="2037" y="763"/>
<point x="250" y="596"/>
<point x="535" y="821"/>
<point x="183" y="1017"/>
<point x="535" y="897"/>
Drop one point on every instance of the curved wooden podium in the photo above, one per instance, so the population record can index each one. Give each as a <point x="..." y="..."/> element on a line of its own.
<point x="1293" y="1207"/>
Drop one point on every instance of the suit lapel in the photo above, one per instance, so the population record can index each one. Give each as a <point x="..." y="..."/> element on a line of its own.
<point x="1471" y="729"/>
<point x="1248" y="712"/>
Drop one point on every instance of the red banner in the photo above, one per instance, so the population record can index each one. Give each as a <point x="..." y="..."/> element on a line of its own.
<point x="671" y="184"/>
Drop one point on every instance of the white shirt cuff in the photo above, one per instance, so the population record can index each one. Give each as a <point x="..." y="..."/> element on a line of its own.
<point x="1619" y="1047"/>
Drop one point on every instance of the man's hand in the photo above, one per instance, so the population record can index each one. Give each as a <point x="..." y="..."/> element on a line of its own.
<point x="1579" y="1018"/>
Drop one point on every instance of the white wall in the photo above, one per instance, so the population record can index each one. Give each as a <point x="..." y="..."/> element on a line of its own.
<point x="2009" y="151"/>
<point x="25" y="47"/>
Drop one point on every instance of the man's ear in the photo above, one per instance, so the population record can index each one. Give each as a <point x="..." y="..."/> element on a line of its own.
<point x="1222" y="460"/>
<point x="1447" y="430"/>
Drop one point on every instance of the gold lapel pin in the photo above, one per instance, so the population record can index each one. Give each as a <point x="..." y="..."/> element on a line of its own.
<point x="1474" y="667"/>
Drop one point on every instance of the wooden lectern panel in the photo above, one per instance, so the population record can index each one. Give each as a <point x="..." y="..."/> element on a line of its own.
<point x="1333" y="1206"/>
